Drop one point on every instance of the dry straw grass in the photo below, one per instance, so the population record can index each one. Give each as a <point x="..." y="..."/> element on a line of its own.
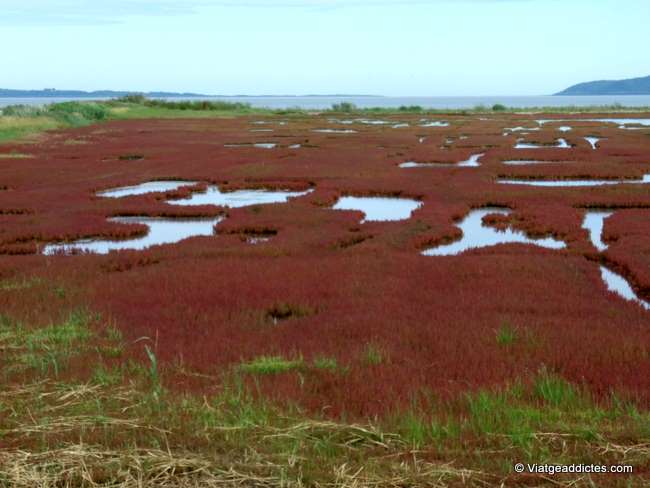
<point x="90" y="466"/>
<point x="80" y="464"/>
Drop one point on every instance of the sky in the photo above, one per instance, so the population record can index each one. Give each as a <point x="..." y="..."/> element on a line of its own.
<point x="382" y="47"/>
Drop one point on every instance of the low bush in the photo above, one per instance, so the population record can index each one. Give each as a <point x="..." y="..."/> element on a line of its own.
<point x="345" y="107"/>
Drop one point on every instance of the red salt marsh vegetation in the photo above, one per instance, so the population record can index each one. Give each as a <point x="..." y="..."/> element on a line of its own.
<point x="469" y="358"/>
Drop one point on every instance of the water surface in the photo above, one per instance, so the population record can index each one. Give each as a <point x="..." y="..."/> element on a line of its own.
<point x="593" y="141"/>
<point x="415" y="164"/>
<point x="161" y="231"/>
<point x="561" y="144"/>
<point x="379" y="208"/>
<point x="619" y="285"/>
<point x="258" y="145"/>
<point x="335" y="131"/>
<point x="238" y="198"/>
<point x="434" y="123"/>
<point x="526" y="162"/>
<point x="576" y="183"/>
<point x="142" y="188"/>
<point x="472" y="161"/>
<point x="323" y="102"/>
<point x="476" y="234"/>
<point x="521" y="129"/>
<point x="594" y="222"/>
<point x="623" y="123"/>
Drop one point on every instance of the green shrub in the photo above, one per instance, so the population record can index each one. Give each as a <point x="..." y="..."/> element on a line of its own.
<point x="22" y="111"/>
<point x="410" y="108"/>
<point x="209" y="105"/>
<point x="346" y="107"/>
<point x="498" y="107"/>
<point x="79" y="113"/>
<point x="138" y="98"/>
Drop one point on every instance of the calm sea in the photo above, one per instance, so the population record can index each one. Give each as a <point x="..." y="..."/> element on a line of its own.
<point x="427" y="102"/>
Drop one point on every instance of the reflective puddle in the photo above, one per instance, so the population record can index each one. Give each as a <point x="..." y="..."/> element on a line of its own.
<point x="564" y="128"/>
<point x="433" y="123"/>
<point x="143" y="188"/>
<point x="261" y="130"/>
<point x="360" y="121"/>
<point x="622" y="123"/>
<point x="525" y="162"/>
<point x="257" y="240"/>
<point x="619" y="285"/>
<point x="379" y="208"/>
<point x="561" y="144"/>
<point x="521" y="129"/>
<point x="565" y="183"/>
<point x="372" y="122"/>
<point x="472" y="161"/>
<point x="335" y="131"/>
<point x="594" y="223"/>
<point x="399" y="126"/>
<point x="593" y="141"/>
<point x="172" y="230"/>
<point x="161" y="231"/>
<point x="415" y="164"/>
<point x="238" y="198"/>
<point x="476" y="235"/>
<point x="259" y="145"/>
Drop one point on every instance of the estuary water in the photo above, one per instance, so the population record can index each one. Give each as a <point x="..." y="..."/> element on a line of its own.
<point x="321" y="102"/>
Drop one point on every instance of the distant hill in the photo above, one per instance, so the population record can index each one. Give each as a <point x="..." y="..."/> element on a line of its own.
<point x="53" y="93"/>
<point x="632" y="86"/>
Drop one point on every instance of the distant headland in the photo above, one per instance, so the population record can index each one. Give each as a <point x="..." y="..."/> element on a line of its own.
<point x="632" y="86"/>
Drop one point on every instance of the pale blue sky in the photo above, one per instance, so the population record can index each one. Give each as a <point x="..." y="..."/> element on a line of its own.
<point x="386" y="47"/>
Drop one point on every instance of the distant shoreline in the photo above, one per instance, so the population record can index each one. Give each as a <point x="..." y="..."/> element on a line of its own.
<point x="322" y="102"/>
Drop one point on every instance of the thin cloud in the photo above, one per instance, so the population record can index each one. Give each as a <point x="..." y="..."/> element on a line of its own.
<point x="91" y="12"/>
<point x="84" y="12"/>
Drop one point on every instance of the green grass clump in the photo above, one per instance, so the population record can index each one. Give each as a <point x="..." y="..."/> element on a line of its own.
<point x="554" y="390"/>
<point x="130" y="157"/>
<point x="271" y="365"/>
<point x="15" y="155"/>
<point x="497" y="413"/>
<point x="419" y="431"/>
<point x="506" y="335"/>
<point x="323" y="362"/>
<point x="20" y="128"/>
<point x="372" y="355"/>
<point x="46" y="349"/>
